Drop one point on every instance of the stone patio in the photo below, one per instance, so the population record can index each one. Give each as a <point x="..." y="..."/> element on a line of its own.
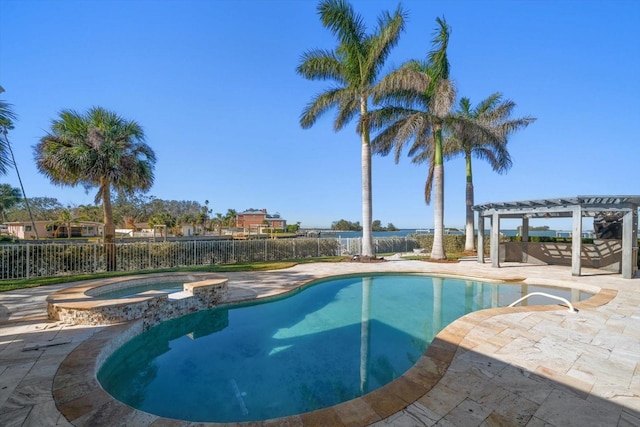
<point x="528" y="366"/>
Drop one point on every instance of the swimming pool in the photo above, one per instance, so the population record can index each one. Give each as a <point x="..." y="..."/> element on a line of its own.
<point x="326" y="344"/>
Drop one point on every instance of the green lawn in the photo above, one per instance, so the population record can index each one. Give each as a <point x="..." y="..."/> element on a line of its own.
<point x="8" y="285"/>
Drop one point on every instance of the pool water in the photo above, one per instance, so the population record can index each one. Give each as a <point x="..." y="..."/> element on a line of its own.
<point x="134" y="290"/>
<point x="329" y="343"/>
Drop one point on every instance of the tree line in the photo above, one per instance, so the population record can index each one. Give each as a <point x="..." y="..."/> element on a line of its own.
<point x="127" y="211"/>
<point x="376" y="225"/>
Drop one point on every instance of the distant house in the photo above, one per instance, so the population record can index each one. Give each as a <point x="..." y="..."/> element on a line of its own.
<point x="53" y="229"/>
<point x="255" y="221"/>
<point x="141" y="229"/>
<point x="191" y="230"/>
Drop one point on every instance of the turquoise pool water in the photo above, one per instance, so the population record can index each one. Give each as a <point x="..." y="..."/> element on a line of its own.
<point x="329" y="343"/>
<point x="133" y="290"/>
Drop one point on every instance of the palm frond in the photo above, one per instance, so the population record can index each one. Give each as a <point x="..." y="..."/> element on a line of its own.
<point x="348" y="108"/>
<point x="437" y="57"/>
<point x="442" y="99"/>
<point x="320" y="105"/>
<point x="398" y="133"/>
<point x="385" y="38"/>
<point x="405" y="85"/>
<point x="7" y="116"/>
<point x="320" y="64"/>
<point x="428" y="185"/>
<point x="340" y="18"/>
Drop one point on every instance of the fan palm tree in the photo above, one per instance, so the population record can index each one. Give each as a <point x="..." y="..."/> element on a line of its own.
<point x="6" y="123"/>
<point x="98" y="149"/>
<point x="482" y="132"/>
<point x="418" y="99"/>
<point x="354" y="66"/>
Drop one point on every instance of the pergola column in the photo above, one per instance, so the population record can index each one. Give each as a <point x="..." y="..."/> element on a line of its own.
<point x="629" y="242"/>
<point x="495" y="240"/>
<point x="480" y="237"/>
<point x="525" y="239"/>
<point x="576" y="241"/>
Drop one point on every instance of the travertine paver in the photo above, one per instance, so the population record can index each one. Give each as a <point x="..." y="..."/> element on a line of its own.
<point x="526" y="366"/>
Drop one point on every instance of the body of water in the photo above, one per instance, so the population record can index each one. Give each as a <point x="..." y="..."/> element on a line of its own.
<point x="452" y="231"/>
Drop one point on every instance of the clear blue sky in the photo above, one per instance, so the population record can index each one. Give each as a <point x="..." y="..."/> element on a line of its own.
<point x="213" y="84"/>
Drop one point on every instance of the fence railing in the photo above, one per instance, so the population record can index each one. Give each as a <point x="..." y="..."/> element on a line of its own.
<point x="32" y="260"/>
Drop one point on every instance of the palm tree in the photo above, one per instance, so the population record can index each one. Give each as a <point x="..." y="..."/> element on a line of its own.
<point x="97" y="149"/>
<point x="217" y="222"/>
<point x="482" y="132"/>
<point x="64" y="219"/>
<point x="202" y="220"/>
<point x="7" y="158"/>
<point x="230" y="218"/>
<point x="426" y="96"/>
<point x="354" y="66"/>
<point x="162" y="221"/>
<point x="9" y="197"/>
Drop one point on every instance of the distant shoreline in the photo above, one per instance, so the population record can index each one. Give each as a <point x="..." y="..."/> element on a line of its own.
<point x="407" y="231"/>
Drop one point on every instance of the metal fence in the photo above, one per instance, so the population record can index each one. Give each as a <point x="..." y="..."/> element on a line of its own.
<point x="32" y="260"/>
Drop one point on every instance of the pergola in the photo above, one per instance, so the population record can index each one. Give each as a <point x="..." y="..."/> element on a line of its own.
<point x="570" y="207"/>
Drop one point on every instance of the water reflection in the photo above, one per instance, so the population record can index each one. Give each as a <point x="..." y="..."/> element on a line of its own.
<point x="364" y="331"/>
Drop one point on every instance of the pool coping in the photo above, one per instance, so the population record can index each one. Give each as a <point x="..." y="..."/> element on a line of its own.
<point x="82" y="401"/>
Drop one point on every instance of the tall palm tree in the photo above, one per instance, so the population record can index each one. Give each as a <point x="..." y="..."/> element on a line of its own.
<point x="425" y="95"/>
<point x="98" y="149"/>
<point x="354" y="66"/>
<point x="482" y="132"/>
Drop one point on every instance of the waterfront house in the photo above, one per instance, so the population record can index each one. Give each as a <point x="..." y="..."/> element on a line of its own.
<point x="257" y="220"/>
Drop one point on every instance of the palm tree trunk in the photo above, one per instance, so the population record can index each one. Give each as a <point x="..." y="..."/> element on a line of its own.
<point x="365" y="332"/>
<point x="367" y="199"/>
<point x="15" y="165"/>
<point x="469" y="244"/>
<point x="437" y="251"/>
<point x="109" y="228"/>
